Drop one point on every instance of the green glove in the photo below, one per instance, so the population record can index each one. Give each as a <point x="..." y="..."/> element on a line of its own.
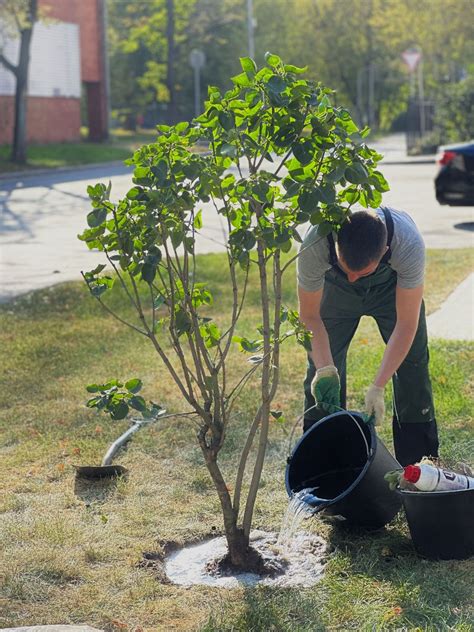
<point x="326" y="389"/>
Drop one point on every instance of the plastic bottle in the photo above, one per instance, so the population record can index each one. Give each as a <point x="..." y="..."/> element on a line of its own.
<point x="428" y="478"/>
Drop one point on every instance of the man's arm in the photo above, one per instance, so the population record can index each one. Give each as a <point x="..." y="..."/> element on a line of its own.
<point x="309" y="307"/>
<point x="408" y="303"/>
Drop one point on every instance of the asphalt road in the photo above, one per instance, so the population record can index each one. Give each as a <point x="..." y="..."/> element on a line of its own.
<point x="41" y="215"/>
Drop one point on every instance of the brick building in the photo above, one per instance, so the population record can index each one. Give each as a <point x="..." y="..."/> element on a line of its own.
<point x="67" y="59"/>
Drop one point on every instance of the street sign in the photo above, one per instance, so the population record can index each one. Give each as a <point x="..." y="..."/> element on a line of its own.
<point x="197" y="59"/>
<point x="412" y="57"/>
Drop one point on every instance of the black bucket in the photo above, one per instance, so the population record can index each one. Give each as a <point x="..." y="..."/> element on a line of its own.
<point x="441" y="523"/>
<point x="344" y="459"/>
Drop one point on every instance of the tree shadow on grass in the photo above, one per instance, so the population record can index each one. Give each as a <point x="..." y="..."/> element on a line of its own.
<point x="264" y="609"/>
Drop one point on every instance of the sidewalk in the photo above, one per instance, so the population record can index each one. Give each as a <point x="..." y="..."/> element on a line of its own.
<point x="394" y="150"/>
<point x="455" y="318"/>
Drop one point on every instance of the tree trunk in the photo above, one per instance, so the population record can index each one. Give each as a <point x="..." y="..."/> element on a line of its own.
<point x="237" y="540"/>
<point x="170" y="70"/>
<point x="19" y="135"/>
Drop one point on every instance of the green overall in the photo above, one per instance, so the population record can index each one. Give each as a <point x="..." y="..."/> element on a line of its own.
<point x="342" y="306"/>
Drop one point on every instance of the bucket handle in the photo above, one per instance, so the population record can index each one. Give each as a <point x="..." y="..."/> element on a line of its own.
<point x="300" y="417"/>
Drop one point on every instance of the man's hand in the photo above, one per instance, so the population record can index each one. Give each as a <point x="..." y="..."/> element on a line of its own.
<point x="374" y="404"/>
<point x="326" y="389"/>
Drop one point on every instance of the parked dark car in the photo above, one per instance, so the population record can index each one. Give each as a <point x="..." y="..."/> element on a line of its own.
<point x="455" y="180"/>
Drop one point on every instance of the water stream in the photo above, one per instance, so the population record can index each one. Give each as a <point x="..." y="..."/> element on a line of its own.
<point x="302" y="505"/>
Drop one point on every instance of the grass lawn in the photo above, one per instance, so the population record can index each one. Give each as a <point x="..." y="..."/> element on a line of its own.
<point x="119" y="147"/>
<point x="69" y="554"/>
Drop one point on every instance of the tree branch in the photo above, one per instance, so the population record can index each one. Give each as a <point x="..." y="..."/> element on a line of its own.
<point x="8" y="65"/>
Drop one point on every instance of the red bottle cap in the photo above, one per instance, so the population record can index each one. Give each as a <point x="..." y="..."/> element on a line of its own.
<point x="412" y="473"/>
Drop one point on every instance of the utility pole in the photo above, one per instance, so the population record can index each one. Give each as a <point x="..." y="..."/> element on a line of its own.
<point x="421" y="96"/>
<point x="197" y="59"/>
<point x="170" y="62"/>
<point x="250" y="29"/>
<point x="371" y="94"/>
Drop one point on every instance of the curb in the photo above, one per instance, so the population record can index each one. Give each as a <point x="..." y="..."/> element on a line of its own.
<point x="423" y="161"/>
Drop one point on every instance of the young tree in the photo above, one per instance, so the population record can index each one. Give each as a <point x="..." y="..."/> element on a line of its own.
<point x="280" y="156"/>
<point x="21" y="15"/>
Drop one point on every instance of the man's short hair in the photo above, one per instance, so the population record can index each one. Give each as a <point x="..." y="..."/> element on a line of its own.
<point x="362" y="239"/>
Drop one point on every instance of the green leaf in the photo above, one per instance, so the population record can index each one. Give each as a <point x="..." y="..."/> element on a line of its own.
<point x="177" y="237"/>
<point x="308" y="200"/>
<point x="141" y="173"/>
<point x="356" y="173"/>
<point x="248" y="345"/>
<point x="160" y="171"/>
<point x="135" y="193"/>
<point x="377" y="180"/>
<point x="351" y="195"/>
<point x="248" y="65"/>
<point x="242" y="80"/>
<point x="148" y="272"/>
<point x="98" y="290"/>
<point x="119" y="411"/>
<point x="97" y="270"/>
<point x="277" y="415"/>
<point x="96" y="402"/>
<point x="316" y="217"/>
<point x="92" y="388"/>
<point x="138" y="403"/>
<point x="276" y="84"/>
<point x="97" y="217"/>
<point x="286" y="246"/>
<point x="134" y="385"/>
<point x="297" y="70"/>
<point x="303" y="152"/>
<point x="228" y="150"/>
<point x="182" y="322"/>
<point x="324" y="229"/>
<point x="272" y="60"/>
<point x="328" y="193"/>
<point x="159" y="301"/>
<point x="198" y="220"/>
<point x="211" y="334"/>
<point x="292" y="188"/>
<point x="226" y="120"/>
<point x="181" y="127"/>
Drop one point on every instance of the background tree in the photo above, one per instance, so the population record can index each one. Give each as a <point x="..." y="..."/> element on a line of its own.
<point x="18" y="18"/>
<point x="358" y="52"/>
<point x="295" y="158"/>
<point x="151" y="33"/>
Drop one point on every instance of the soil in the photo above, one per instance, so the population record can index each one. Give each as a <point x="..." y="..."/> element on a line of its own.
<point x="299" y="563"/>
<point x="256" y="563"/>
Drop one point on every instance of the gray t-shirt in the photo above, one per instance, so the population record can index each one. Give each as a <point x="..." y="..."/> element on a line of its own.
<point x="407" y="254"/>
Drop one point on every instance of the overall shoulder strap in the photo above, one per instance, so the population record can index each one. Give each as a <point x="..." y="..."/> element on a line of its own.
<point x="390" y="229"/>
<point x="332" y="250"/>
